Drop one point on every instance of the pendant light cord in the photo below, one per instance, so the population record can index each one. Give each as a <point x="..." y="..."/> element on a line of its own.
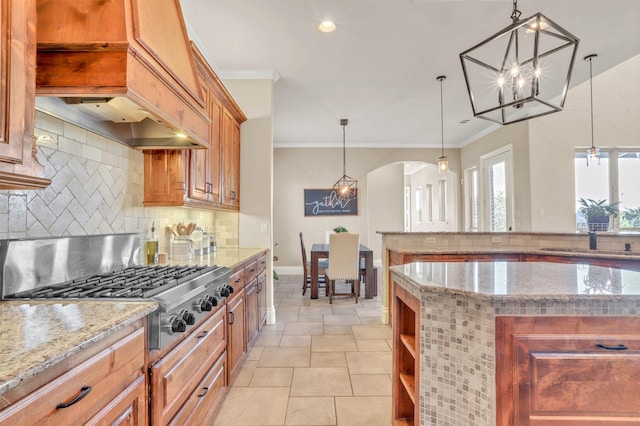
<point x="591" y="97"/>
<point x="441" y="78"/>
<point x="344" y="150"/>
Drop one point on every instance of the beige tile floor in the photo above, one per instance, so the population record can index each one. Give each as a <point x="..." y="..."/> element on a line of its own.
<point x="320" y="364"/>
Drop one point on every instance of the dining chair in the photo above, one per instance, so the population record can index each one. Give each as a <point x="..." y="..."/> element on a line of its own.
<point x="344" y="263"/>
<point x="306" y="270"/>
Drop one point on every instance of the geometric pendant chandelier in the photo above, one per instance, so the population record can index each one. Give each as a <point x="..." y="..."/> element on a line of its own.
<point x="522" y="71"/>
<point x="346" y="187"/>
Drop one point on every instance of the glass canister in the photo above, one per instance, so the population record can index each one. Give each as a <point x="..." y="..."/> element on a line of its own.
<point x="182" y="248"/>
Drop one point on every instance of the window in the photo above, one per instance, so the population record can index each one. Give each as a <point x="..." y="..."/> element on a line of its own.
<point x="407" y="208"/>
<point x="629" y="195"/>
<point x="428" y="198"/>
<point x="471" y="195"/>
<point x="442" y="184"/>
<point x="419" y="204"/>
<point x="497" y="190"/>
<point x="614" y="179"/>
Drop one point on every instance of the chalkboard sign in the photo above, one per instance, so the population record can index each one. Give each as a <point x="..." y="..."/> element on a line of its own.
<point x="325" y="202"/>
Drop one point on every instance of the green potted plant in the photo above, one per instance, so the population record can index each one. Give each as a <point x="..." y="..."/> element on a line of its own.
<point x="597" y="213"/>
<point x="339" y="229"/>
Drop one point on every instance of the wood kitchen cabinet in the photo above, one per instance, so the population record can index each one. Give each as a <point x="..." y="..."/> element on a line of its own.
<point x="189" y="382"/>
<point x="206" y="178"/>
<point x="567" y="370"/>
<point x="230" y="161"/>
<point x="236" y="333"/>
<point x="262" y="292"/>
<point x="406" y="358"/>
<point x="251" y="310"/>
<point x="19" y="167"/>
<point x="109" y="387"/>
<point x="165" y="177"/>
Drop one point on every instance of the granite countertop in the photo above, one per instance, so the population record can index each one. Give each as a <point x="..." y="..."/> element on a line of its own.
<point x="36" y="335"/>
<point x="224" y="256"/>
<point x="547" y="251"/>
<point x="521" y="280"/>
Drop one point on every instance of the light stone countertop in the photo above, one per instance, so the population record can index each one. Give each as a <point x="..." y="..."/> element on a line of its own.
<point x="521" y="280"/>
<point x="35" y="335"/>
<point x="226" y="256"/>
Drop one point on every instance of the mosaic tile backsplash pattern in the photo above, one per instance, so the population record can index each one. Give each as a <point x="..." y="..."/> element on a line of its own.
<point x="96" y="188"/>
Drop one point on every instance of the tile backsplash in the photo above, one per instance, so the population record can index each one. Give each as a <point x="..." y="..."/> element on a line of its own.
<point x="96" y="188"/>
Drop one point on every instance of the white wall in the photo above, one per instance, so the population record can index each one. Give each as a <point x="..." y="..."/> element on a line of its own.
<point x="385" y="203"/>
<point x="298" y="168"/>
<point x="554" y="139"/>
<point x="255" y="98"/>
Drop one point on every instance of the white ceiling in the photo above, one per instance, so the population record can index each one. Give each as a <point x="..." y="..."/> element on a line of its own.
<point x="379" y="68"/>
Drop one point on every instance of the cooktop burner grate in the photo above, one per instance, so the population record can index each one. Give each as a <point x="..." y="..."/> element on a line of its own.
<point x="132" y="282"/>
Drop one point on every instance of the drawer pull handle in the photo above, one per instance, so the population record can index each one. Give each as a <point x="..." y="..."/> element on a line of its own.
<point x="204" y="333"/>
<point x="233" y="317"/>
<point x="84" y="391"/>
<point x="620" y="347"/>
<point x="205" y="389"/>
<point x="238" y="280"/>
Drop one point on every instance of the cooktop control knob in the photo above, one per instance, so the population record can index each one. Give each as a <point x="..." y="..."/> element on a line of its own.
<point x="230" y="288"/>
<point x="202" y="304"/>
<point x="224" y="291"/>
<point x="212" y="299"/>
<point x="176" y="324"/>
<point x="187" y="317"/>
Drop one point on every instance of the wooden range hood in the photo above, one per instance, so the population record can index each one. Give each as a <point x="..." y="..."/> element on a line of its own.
<point x="122" y="69"/>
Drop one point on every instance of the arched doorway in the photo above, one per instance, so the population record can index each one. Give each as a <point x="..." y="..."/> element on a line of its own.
<point x="410" y="196"/>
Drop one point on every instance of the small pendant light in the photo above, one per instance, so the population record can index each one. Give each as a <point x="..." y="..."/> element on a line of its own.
<point x="593" y="153"/>
<point x="443" y="164"/>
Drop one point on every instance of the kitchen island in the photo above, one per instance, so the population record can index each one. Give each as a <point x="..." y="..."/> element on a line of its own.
<point x="503" y="343"/>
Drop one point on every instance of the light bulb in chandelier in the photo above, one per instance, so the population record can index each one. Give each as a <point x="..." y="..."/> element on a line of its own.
<point x="443" y="164"/>
<point x="593" y="155"/>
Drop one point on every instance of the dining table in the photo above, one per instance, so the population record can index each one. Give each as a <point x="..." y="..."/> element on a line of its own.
<point x="321" y="251"/>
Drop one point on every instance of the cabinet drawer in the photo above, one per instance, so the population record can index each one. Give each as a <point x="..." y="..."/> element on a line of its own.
<point x="128" y="408"/>
<point x="236" y="280"/>
<point x="100" y="379"/>
<point x="205" y="399"/>
<point x="177" y="374"/>
<point x="262" y="263"/>
<point x="250" y="271"/>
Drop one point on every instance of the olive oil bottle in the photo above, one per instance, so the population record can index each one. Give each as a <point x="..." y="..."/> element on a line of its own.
<point x="151" y="247"/>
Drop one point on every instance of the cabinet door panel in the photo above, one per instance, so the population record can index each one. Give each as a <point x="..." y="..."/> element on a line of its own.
<point x="19" y="167"/>
<point x="165" y="177"/>
<point x="567" y="370"/>
<point x="251" y="309"/>
<point x="262" y="299"/>
<point x="236" y="338"/>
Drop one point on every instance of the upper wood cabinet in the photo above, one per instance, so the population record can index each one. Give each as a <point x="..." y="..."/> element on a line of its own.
<point x="19" y="167"/>
<point x="230" y="161"/>
<point x="212" y="175"/>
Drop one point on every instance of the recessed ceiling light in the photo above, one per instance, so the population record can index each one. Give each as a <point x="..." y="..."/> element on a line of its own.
<point x="465" y="121"/>
<point x="327" y="26"/>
